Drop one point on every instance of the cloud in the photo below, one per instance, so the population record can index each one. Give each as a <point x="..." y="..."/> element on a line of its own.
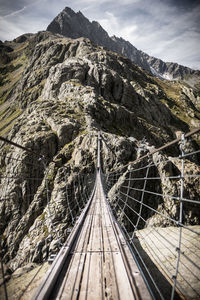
<point x="161" y="30"/>
<point x="14" y="13"/>
<point x="112" y="26"/>
<point x="10" y="6"/>
<point x="21" y="21"/>
<point x="6" y="27"/>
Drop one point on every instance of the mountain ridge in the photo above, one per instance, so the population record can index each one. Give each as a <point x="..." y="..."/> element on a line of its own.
<point x="75" y="25"/>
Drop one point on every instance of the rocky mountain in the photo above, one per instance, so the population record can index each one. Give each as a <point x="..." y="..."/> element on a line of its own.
<point x="173" y="71"/>
<point x="75" y="25"/>
<point x="56" y="93"/>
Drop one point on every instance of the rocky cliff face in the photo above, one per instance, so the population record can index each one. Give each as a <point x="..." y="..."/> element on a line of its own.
<point x="57" y="92"/>
<point x="75" y="25"/>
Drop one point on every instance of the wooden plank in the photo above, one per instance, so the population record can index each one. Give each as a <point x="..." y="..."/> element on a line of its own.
<point x="97" y="207"/>
<point x="95" y="243"/>
<point x="109" y="240"/>
<point x="123" y="283"/>
<point x="77" y="286"/>
<point x="91" y="285"/>
<point x="68" y="290"/>
<point x="110" y="289"/>
<point x="83" y="240"/>
<point x="106" y="215"/>
<point x="85" y="278"/>
<point x="95" y="289"/>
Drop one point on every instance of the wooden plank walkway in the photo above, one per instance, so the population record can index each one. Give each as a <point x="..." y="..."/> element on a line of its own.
<point x="100" y="264"/>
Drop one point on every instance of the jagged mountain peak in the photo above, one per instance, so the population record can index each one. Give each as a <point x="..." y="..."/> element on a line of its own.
<point x="75" y="25"/>
<point x="70" y="13"/>
<point x="68" y="10"/>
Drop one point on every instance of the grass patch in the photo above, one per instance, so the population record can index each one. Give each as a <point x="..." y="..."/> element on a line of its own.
<point x="172" y="98"/>
<point x="7" y="120"/>
<point x="7" y="69"/>
<point x="11" y="73"/>
<point x="172" y="90"/>
<point x="42" y="216"/>
<point x="168" y="102"/>
<point x="45" y="230"/>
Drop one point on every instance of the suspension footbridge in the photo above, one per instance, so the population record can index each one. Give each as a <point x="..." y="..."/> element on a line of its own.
<point x="96" y="262"/>
<point x="113" y="252"/>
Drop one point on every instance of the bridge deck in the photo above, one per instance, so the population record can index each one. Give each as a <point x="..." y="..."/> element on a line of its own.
<point x="100" y="264"/>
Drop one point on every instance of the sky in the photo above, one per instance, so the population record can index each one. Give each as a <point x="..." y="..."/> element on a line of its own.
<point x="166" y="29"/>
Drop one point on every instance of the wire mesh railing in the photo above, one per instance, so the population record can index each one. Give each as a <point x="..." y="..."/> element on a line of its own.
<point x="40" y="201"/>
<point x="156" y="200"/>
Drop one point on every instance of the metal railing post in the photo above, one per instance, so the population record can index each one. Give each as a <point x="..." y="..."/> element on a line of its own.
<point x="180" y="222"/>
